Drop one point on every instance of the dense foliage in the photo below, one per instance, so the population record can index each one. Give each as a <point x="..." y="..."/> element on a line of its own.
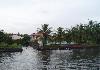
<point x="45" y="30"/>
<point x="26" y="40"/>
<point x="6" y="40"/>
<point x="79" y="34"/>
<point x="85" y="33"/>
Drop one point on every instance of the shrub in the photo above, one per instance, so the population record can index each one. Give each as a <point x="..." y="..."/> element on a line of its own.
<point x="3" y="45"/>
<point x="13" y="45"/>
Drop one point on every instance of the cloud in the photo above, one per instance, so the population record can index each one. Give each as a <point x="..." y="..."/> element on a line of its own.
<point x="25" y="16"/>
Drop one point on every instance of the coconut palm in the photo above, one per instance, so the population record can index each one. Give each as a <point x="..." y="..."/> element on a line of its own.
<point x="45" y="30"/>
<point x="60" y="35"/>
<point x="67" y="36"/>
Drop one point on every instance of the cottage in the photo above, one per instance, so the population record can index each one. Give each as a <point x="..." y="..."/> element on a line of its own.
<point x="16" y="37"/>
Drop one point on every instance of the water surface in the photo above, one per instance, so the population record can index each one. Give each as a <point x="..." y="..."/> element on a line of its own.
<point x="31" y="59"/>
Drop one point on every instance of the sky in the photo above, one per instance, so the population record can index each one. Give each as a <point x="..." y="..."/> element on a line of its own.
<point x="25" y="16"/>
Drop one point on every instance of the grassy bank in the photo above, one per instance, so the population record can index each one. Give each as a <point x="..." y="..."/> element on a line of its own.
<point x="5" y="45"/>
<point x="67" y="46"/>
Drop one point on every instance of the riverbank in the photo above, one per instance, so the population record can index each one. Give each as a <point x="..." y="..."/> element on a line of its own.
<point x="64" y="47"/>
<point x="11" y="49"/>
<point x="4" y="47"/>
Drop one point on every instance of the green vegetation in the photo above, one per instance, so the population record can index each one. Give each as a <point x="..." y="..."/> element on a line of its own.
<point x="88" y="34"/>
<point x="15" y="45"/>
<point x="6" y="40"/>
<point x="26" y="40"/>
<point x="45" y="30"/>
<point x="5" y="45"/>
<point x="85" y="33"/>
<point x="2" y="44"/>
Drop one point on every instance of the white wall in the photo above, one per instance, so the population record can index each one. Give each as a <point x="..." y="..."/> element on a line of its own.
<point x="15" y="37"/>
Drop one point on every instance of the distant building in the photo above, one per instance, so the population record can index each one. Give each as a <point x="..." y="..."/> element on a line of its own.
<point x="16" y="36"/>
<point x="37" y="37"/>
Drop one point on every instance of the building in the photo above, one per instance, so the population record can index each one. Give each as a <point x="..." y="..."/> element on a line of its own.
<point x="16" y="36"/>
<point x="37" y="38"/>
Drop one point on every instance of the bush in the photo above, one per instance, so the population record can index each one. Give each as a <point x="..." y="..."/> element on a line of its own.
<point x="3" y="45"/>
<point x="14" y="45"/>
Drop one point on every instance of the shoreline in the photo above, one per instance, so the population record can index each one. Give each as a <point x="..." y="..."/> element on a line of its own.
<point x="11" y="49"/>
<point x="66" y="47"/>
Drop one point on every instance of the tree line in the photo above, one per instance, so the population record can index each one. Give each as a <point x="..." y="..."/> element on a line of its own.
<point x="80" y="34"/>
<point x="6" y="40"/>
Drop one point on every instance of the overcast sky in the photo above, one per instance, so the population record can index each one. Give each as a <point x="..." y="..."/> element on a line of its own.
<point x="25" y="16"/>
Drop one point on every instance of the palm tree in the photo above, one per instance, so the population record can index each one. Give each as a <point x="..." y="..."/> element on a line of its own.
<point x="67" y="36"/>
<point x="45" y="30"/>
<point x="54" y="38"/>
<point x="60" y="35"/>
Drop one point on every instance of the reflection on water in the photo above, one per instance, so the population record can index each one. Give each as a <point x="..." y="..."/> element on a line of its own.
<point x="30" y="59"/>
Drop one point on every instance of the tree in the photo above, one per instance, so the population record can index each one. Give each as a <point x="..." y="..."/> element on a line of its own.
<point x="45" y="30"/>
<point x="67" y="36"/>
<point x="25" y="40"/>
<point x="60" y="35"/>
<point x="53" y="38"/>
<point x="2" y="36"/>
